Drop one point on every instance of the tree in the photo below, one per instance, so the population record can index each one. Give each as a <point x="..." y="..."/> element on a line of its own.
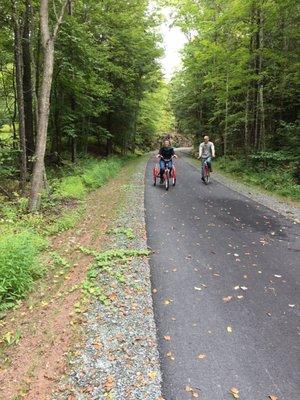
<point x="47" y="40"/>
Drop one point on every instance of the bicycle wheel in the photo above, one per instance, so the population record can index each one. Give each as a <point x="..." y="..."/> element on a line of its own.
<point x="167" y="179"/>
<point x="174" y="176"/>
<point x="206" y="174"/>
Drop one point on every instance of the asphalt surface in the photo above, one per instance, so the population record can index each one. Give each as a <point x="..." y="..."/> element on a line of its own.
<point x="210" y="243"/>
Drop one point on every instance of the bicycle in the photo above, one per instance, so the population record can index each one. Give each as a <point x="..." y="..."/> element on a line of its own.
<point x="206" y="172"/>
<point x="169" y="174"/>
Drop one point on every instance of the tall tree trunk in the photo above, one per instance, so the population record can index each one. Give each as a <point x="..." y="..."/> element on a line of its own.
<point x="261" y="84"/>
<point x="27" y="81"/>
<point x="246" y="126"/>
<point x="226" y="119"/>
<point x="48" y="41"/>
<point x="20" y="96"/>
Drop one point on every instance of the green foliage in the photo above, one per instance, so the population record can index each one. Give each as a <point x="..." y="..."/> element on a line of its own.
<point x="128" y="232"/>
<point x="239" y="83"/>
<point x="277" y="177"/>
<point x="70" y="187"/>
<point x="19" y="265"/>
<point x="67" y="221"/>
<point x="97" y="173"/>
<point x="108" y="262"/>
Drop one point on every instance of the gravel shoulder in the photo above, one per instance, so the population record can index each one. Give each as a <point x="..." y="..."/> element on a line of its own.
<point x="117" y="356"/>
<point x="288" y="209"/>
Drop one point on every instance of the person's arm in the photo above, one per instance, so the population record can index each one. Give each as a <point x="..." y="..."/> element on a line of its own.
<point x="200" y="150"/>
<point x="213" y="153"/>
<point x="159" y="153"/>
<point x="173" y="153"/>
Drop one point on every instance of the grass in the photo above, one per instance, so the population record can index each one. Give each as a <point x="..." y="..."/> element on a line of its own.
<point x="107" y="262"/>
<point x="23" y="236"/>
<point x="19" y="265"/>
<point x="274" y="179"/>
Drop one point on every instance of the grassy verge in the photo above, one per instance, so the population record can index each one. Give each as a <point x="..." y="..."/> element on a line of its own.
<point x="274" y="179"/>
<point x="277" y="177"/>
<point x="23" y="236"/>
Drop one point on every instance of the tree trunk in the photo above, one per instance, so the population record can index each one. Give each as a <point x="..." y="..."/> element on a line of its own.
<point x="246" y="129"/>
<point x="20" y="97"/>
<point x="226" y="119"/>
<point x="42" y="127"/>
<point x="27" y="81"/>
<point x="47" y="41"/>
<point x="261" y="85"/>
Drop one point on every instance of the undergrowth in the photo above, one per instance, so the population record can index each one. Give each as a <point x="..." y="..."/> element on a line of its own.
<point x="23" y="236"/>
<point x="19" y="265"/>
<point x="273" y="175"/>
<point x="108" y="262"/>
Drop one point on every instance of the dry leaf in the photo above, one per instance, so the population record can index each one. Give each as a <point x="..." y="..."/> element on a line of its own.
<point x="152" y="374"/>
<point x="227" y="299"/>
<point x="272" y="397"/>
<point x="98" y="346"/>
<point x="235" y="392"/>
<point x="229" y="329"/>
<point x="168" y="338"/>
<point x="109" y="384"/>
<point x="201" y="356"/>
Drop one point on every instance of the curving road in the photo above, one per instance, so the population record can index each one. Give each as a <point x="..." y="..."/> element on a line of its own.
<point x="225" y="279"/>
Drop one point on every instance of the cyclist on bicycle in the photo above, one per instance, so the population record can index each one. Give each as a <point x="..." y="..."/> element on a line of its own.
<point x="166" y="154"/>
<point x="206" y="153"/>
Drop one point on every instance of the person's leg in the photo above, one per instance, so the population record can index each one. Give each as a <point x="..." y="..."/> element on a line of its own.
<point x="162" y="169"/>
<point x="202" y="168"/>
<point x="209" y="162"/>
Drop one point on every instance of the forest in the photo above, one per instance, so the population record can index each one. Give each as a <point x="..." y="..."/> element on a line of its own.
<point x="240" y="84"/>
<point x="76" y="78"/>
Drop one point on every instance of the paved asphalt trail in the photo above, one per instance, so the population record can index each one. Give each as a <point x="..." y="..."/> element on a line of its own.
<point x="207" y="242"/>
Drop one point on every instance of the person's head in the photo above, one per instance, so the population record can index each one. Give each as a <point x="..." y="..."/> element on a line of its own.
<point x="167" y="143"/>
<point x="206" y="139"/>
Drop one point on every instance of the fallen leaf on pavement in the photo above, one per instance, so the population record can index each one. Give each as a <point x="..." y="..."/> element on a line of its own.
<point x="235" y="392"/>
<point x="193" y="392"/>
<point x="197" y="288"/>
<point x="201" y="356"/>
<point x="168" y="338"/>
<point x="229" y="329"/>
<point x="227" y="299"/>
<point x="272" y="397"/>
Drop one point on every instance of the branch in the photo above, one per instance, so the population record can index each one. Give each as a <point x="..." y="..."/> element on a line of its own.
<point x="60" y="19"/>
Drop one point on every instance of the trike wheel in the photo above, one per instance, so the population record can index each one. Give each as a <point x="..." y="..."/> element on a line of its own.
<point x="167" y="181"/>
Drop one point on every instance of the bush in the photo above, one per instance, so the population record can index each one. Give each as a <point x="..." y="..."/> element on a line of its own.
<point x="70" y="187"/>
<point x="272" y="178"/>
<point x="96" y="174"/>
<point x="18" y="265"/>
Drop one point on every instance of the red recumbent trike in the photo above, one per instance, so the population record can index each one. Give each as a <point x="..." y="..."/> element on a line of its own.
<point x="169" y="173"/>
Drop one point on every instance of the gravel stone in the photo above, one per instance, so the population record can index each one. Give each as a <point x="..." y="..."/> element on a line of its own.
<point x="120" y="340"/>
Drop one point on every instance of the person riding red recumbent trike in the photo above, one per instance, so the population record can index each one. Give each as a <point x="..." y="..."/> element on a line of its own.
<point x="169" y="172"/>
